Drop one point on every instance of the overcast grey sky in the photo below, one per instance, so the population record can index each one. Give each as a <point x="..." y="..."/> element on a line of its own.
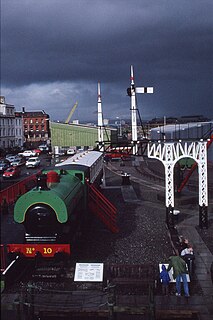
<point x="53" y="53"/>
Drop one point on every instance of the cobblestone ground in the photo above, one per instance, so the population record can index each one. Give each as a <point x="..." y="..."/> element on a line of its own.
<point x="143" y="236"/>
<point x="142" y="233"/>
<point x="207" y="235"/>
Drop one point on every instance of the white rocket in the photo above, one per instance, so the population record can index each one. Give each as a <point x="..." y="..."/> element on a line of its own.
<point x="100" y="121"/>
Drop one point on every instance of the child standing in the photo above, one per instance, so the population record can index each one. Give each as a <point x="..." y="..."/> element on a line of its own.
<point x="165" y="279"/>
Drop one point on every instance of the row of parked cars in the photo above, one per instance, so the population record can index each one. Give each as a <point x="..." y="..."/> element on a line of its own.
<point x="10" y="166"/>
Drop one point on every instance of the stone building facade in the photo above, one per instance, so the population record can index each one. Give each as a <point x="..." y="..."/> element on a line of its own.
<point x="7" y="124"/>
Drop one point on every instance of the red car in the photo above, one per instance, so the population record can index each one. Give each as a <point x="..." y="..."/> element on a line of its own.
<point x="12" y="172"/>
<point x="37" y="151"/>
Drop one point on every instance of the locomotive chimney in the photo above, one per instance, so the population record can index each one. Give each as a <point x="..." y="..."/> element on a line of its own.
<point x="42" y="182"/>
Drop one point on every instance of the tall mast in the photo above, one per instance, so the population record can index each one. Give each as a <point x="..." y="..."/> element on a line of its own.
<point x="132" y="93"/>
<point x="100" y="121"/>
<point x="133" y="112"/>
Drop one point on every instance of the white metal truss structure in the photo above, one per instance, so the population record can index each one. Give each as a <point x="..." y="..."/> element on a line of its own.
<point x="169" y="153"/>
<point x="100" y="121"/>
<point x="133" y="107"/>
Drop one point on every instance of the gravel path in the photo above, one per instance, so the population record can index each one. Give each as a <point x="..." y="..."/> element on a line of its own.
<point x="142" y="238"/>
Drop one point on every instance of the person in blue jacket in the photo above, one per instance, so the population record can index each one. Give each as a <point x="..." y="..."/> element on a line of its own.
<point x="165" y="279"/>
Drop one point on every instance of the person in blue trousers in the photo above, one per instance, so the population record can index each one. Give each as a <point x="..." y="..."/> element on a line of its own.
<point x="179" y="272"/>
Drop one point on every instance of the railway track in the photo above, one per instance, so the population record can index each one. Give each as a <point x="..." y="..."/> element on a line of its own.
<point x="154" y="180"/>
<point x="51" y="285"/>
<point x="140" y="178"/>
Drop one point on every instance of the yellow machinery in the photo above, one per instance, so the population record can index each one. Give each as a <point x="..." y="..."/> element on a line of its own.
<point x="71" y="112"/>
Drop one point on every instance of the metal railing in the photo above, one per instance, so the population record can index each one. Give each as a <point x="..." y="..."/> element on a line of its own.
<point x="9" y="195"/>
<point x="102" y="208"/>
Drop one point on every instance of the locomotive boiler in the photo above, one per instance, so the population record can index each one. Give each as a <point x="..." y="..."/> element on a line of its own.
<point x="56" y="209"/>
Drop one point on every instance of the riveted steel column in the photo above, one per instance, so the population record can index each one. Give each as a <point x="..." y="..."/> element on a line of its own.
<point x="169" y="183"/>
<point x="203" y="185"/>
<point x="169" y="154"/>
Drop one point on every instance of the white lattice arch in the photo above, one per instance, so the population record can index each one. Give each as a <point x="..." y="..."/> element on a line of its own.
<point x="171" y="152"/>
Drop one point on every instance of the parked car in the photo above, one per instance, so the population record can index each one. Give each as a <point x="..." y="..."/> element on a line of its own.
<point x="11" y="158"/>
<point x="43" y="147"/>
<point x="28" y="153"/>
<point x="33" y="162"/>
<point x="71" y="151"/>
<point x="12" y="172"/>
<point x="4" y="165"/>
<point x="37" y="151"/>
<point x="18" y="162"/>
<point x="60" y="153"/>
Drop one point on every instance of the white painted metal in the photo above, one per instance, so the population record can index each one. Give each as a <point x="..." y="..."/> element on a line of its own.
<point x="144" y="90"/>
<point x="171" y="152"/>
<point x="133" y="112"/>
<point x="91" y="159"/>
<point x="85" y="158"/>
<point x="100" y="121"/>
<point x="202" y="171"/>
<point x="133" y="108"/>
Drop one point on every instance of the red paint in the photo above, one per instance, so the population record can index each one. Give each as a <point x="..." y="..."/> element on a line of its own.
<point x="31" y="250"/>
<point x="52" y="177"/>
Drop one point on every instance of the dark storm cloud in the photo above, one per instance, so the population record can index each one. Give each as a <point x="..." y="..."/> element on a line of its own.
<point x="54" y="42"/>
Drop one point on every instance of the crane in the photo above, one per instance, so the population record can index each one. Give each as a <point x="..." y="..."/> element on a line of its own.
<point x="71" y="112"/>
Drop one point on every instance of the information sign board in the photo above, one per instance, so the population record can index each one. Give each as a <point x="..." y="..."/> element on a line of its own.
<point x="89" y="272"/>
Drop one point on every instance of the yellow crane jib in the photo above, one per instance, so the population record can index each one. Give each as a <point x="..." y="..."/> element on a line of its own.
<point x="71" y="113"/>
